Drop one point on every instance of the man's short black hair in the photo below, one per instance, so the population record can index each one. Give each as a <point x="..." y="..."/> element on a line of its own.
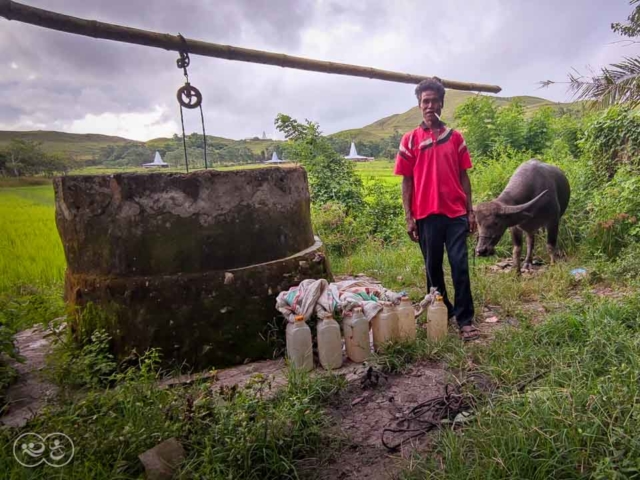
<point x="431" y="84"/>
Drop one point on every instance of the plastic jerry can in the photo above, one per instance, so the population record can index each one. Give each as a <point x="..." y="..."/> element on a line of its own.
<point x="356" y="335"/>
<point x="384" y="325"/>
<point x="299" y="344"/>
<point x="329" y="343"/>
<point x="406" y="320"/>
<point x="437" y="319"/>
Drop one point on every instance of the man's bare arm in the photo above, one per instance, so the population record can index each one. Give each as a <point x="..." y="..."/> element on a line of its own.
<point x="407" y="197"/>
<point x="466" y="186"/>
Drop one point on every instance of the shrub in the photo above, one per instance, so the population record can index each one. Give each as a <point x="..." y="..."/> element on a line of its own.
<point x="614" y="210"/>
<point x="338" y="231"/>
<point x="611" y="141"/>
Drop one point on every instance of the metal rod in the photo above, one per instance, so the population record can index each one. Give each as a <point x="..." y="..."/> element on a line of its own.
<point x="92" y="28"/>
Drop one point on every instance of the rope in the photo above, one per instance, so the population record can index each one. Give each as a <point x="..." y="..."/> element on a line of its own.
<point x="184" y="141"/>
<point x="427" y="416"/>
<point x="435" y="412"/>
<point x="204" y="139"/>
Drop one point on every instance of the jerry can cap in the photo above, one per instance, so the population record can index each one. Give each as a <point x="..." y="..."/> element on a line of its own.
<point x="299" y="318"/>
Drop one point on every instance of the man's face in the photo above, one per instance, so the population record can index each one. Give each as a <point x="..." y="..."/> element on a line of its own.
<point x="430" y="105"/>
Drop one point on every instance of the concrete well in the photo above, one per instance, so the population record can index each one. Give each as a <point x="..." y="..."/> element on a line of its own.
<point x="189" y="263"/>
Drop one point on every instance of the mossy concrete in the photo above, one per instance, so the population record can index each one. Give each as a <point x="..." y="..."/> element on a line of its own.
<point x="145" y="224"/>
<point x="188" y="263"/>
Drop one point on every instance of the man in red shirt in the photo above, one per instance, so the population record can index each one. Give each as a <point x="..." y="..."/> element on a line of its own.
<point x="436" y="192"/>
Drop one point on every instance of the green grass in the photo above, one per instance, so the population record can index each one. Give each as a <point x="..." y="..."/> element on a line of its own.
<point x="227" y="433"/>
<point x="31" y="249"/>
<point x="580" y="420"/>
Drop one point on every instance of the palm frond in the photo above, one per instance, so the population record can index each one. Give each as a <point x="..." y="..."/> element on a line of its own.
<point x="618" y="83"/>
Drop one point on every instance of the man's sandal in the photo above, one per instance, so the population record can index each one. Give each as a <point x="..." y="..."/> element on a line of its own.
<point x="469" y="332"/>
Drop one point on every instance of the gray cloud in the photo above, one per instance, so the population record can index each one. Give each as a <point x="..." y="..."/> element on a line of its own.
<point x="62" y="78"/>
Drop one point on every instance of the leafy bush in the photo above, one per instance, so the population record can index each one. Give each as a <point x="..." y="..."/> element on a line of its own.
<point x="614" y="210"/>
<point x="476" y="119"/>
<point x="611" y="141"/>
<point x="382" y="216"/>
<point x="89" y="364"/>
<point x="338" y="231"/>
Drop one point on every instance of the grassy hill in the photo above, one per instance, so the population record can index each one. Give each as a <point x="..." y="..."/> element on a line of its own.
<point x="77" y="146"/>
<point x="408" y="120"/>
<point x="84" y="146"/>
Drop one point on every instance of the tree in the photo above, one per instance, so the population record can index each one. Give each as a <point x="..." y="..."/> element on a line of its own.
<point x="477" y="120"/>
<point x="331" y="177"/>
<point x="538" y="130"/>
<point x="617" y="83"/>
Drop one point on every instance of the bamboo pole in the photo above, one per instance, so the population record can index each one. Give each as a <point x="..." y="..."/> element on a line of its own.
<point x="92" y="28"/>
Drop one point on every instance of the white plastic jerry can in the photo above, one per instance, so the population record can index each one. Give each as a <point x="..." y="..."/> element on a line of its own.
<point x="329" y="343"/>
<point x="406" y="320"/>
<point x="356" y="335"/>
<point x="384" y="325"/>
<point x="437" y="319"/>
<point x="299" y="344"/>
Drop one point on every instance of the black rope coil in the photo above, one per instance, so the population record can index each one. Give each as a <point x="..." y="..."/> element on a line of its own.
<point x="426" y="416"/>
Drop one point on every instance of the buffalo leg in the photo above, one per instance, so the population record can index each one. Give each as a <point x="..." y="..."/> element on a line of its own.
<point x="516" y="238"/>
<point x="528" y="259"/>
<point x="552" y="241"/>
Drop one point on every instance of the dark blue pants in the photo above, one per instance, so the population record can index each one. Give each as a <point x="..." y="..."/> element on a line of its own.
<point x="434" y="233"/>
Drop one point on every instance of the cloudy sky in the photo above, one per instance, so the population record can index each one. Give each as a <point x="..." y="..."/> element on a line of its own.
<point x="57" y="81"/>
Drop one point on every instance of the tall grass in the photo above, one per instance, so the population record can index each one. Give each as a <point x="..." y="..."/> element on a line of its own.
<point x="580" y="420"/>
<point x="31" y="248"/>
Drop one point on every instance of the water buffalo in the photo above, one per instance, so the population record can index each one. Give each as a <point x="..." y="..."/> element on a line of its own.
<point x="536" y="196"/>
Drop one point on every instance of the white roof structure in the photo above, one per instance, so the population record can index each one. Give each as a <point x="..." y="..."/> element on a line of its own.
<point x="353" y="154"/>
<point x="274" y="159"/>
<point x="157" y="162"/>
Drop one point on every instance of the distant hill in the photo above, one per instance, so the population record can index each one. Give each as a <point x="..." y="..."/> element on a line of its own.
<point x="410" y="119"/>
<point x="77" y="146"/>
<point x="84" y="146"/>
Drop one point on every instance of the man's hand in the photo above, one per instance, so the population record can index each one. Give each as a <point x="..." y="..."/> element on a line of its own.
<point x="472" y="222"/>
<point x="412" y="229"/>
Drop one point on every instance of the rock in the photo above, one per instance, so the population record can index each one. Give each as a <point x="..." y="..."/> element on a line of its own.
<point x="161" y="461"/>
<point x="493" y="319"/>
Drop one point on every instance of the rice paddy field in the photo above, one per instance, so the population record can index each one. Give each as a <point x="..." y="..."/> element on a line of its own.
<point x="31" y="249"/>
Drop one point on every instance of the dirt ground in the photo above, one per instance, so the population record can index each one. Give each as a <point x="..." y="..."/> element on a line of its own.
<point x="364" y="411"/>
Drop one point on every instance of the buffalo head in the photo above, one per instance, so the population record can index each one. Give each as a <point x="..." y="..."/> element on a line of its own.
<point x="494" y="217"/>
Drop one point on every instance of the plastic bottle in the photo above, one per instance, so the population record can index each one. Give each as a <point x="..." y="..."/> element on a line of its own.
<point x="299" y="344"/>
<point x="406" y="320"/>
<point x="356" y="335"/>
<point x="329" y="343"/>
<point x="384" y="325"/>
<point x="437" y="319"/>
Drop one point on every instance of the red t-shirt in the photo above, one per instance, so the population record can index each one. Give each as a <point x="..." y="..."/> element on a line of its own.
<point x="435" y="165"/>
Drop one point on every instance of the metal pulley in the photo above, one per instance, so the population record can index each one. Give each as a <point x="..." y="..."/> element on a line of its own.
<point x="189" y="97"/>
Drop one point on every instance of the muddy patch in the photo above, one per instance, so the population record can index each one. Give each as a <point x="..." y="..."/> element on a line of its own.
<point x="362" y="412"/>
<point x="30" y="393"/>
